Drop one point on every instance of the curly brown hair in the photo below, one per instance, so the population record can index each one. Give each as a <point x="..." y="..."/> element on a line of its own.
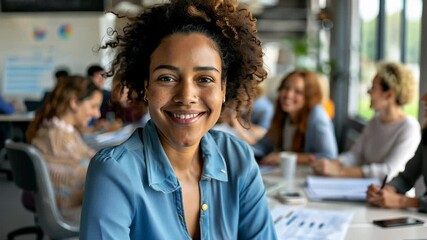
<point x="312" y="97"/>
<point x="230" y="25"/>
<point x="58" y="101"/>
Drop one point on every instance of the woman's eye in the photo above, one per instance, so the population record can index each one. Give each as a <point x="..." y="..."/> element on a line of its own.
<point x="205" y="80"/>
<point x="166" y="79"/>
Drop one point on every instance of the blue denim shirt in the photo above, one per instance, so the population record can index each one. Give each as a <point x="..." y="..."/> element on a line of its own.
<point x="132" y="192"/>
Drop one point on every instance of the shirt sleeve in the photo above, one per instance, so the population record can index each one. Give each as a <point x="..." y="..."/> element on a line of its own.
<point x="402" y="151"/>
<point x="406" y="180"/>
<point x="263" y="147"/>
<point x="320" y="137"/>
<point x="107" y="217"/>
<point x="6" y="107"/>
<point x="255" y="220"/>
<point x="262" y="114"/>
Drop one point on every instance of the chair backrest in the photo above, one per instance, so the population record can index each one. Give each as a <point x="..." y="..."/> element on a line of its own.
<point x="31" y="173"/>
<point x="32" y="105"/>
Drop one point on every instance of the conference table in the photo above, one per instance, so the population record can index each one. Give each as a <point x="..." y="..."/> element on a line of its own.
<point x="17" y="117"/>
<point x="361" y="226"/>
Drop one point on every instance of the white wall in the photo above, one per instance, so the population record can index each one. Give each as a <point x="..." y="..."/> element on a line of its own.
<point x="75" y="52"/>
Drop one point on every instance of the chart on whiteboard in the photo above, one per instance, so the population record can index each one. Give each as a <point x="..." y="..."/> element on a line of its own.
<point x="27" y="75"/>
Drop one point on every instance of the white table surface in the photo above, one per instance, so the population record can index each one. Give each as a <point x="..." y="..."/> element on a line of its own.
<point x="17" y="117"/>
<point x="361" y="226"/>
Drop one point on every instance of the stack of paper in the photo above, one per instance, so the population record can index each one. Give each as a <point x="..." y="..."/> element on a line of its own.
<point x="295" y="224"/>
<point x="352" y="189"/>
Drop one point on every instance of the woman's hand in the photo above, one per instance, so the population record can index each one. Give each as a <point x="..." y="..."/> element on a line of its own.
<point x="271" y="159"/>
<point x="305" y="158"/>
<point x="385" y="198"/>
<point x="326" y="167"/>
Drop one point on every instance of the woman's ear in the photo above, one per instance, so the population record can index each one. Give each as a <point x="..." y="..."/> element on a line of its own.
<point x="391" y="95"/>
<point x="73" y="104"/>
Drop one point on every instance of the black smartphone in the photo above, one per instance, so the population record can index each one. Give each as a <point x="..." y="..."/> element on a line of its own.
<point x="396" y="222"/>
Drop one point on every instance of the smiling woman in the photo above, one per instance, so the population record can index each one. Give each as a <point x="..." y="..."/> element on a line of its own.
<point x="300" y="124"/>
<point x="176" y="178"/>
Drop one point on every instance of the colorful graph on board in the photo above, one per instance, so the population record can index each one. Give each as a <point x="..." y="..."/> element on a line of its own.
<point x="39" y="34"/>
<point x="65" y="31"/>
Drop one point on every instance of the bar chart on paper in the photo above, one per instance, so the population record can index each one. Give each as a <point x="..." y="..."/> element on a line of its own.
<point x="298" y="223"/>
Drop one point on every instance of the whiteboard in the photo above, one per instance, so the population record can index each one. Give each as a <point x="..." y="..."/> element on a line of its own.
<point x="32" y="46"/>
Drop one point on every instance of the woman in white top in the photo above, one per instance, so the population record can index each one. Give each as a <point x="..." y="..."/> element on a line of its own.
<point x="390" y="139"/>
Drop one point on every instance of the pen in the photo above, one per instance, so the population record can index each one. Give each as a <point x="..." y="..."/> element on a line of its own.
<point x="383" y="183"/>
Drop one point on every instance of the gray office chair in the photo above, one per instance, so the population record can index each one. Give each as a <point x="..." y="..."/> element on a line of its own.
<point x="30" y="173"/>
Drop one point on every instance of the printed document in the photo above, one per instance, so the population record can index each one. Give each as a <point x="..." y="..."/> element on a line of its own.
<point x="301" y="223"/>
<point x="350" y="189"/>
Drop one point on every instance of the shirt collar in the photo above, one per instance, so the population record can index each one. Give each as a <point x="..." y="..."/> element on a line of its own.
<point x="161" y="176"/>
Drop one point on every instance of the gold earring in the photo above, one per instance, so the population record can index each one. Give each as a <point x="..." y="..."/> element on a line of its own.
<point x="223" y="100"/>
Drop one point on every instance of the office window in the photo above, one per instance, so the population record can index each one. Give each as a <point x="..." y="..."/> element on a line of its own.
<point x="393" y="30"/>
<point x="412" y="48"/>
<point x="369" y="10"/>
<point x="390" y="31"/>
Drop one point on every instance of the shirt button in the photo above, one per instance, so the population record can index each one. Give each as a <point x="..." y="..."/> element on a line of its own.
<point x="204" y="207"/>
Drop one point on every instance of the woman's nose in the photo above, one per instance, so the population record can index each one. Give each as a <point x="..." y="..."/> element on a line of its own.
<point x="186" y="92"/>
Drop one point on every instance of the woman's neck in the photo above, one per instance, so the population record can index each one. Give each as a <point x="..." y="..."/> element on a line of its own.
<point x="67" y="118"/>
<point x="186" y="162"/>
<point x="392" y="114"/>
<point x="293" y="117"/>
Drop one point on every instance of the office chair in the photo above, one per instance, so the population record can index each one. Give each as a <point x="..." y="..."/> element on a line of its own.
<point x="30" y="173"/>
<point x="32" y="105"/>
<point x="27" y="199"/>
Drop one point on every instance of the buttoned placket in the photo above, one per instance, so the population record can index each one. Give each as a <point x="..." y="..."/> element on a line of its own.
<point x="204" y="208"/>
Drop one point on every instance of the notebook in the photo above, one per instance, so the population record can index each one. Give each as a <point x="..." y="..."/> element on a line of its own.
<point x="347" y="189"/>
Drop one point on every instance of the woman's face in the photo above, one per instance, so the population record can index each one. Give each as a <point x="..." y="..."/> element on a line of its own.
<point x="184" y="92"/>
<point x="378" y="95"/>
<point x="87" y="109"/>
<point x="292" y="94"/>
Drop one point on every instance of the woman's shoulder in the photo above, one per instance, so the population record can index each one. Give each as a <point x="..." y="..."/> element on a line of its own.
<point x="236" y="153"/>
<point x="130" y="148"/>
<point x="318" y="113"/>
<point x="222" y="137"/>
<point x="411" y="122"/>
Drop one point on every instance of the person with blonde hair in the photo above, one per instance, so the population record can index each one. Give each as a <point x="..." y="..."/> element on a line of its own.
<point x="389" y="139"/>
<point x="54" y="132"/>
<point x="300" y="123"/>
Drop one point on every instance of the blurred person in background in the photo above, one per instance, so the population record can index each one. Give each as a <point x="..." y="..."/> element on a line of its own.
<point x="389" y="139"/>
<point x="300" y="123"/>
<point x="260" y="120"/>
<point x="393" y="193"/>
<point x="54" y="132"/>
<point x="96" y="74"/>
<point x="125" y="105"/>
<point x="60" y="75"/>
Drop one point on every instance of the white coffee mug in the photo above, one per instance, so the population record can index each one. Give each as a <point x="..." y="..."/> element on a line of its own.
<point x="288" y="163"/>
